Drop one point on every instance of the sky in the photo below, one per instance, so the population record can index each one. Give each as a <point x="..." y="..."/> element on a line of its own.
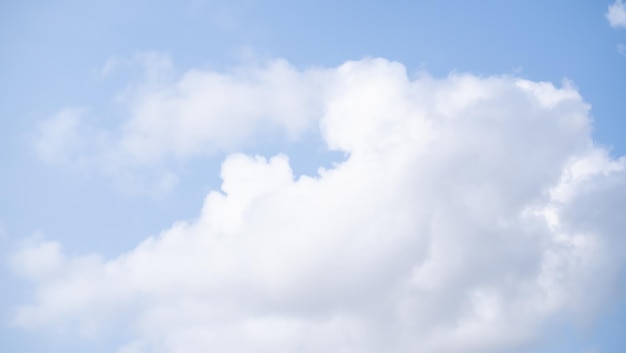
<point x="313" y="176"/>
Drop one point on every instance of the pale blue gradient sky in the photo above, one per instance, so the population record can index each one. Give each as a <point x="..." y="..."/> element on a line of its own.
<point x="52" y="55"/>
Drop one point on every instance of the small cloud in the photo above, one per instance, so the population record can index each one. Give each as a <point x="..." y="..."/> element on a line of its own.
<point x="37" y="258"/>
<point x="621" y="48"/>
<point x="154" y="65"/>
<point x="617" y="14"/>
<point x="59" y="135"/>
<point x="169" y="116"/>
<point x="112" y="64"/>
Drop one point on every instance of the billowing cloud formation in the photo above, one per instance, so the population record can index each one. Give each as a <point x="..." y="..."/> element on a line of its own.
<point x="469" y="214"/>
<point x="617" y="14"/>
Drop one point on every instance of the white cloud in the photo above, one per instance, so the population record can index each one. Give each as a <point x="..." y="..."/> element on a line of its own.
<point x="470" y="213"/>
<point x="155" y="66"/>
<point x="200" y="112"/>
<point x="37" y="259"/>
<point x="168" y="117"/>
<point x="617" y="14"/>
<point x="59" y="137"/>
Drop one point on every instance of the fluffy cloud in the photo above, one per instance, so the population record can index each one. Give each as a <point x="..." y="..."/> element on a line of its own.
<point x="470" y="213"/>
<point x="60" y="135"/>
<point x="173" y="118"/>
<point x="617" y="14"/>
<point x="202" y="111"/>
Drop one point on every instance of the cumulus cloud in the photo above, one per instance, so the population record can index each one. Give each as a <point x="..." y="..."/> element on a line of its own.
<point x="59" y="137"/>
<point x="156" y="66"/>
<point x="199" y="112"/>
<point x="617" y="14"/>
<point x="169" y="117"/>
<point x="36" y="258"/>
<point x="470" y="213"/>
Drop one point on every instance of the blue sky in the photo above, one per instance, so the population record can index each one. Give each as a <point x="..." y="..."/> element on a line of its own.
<point x="102" y="65"/>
